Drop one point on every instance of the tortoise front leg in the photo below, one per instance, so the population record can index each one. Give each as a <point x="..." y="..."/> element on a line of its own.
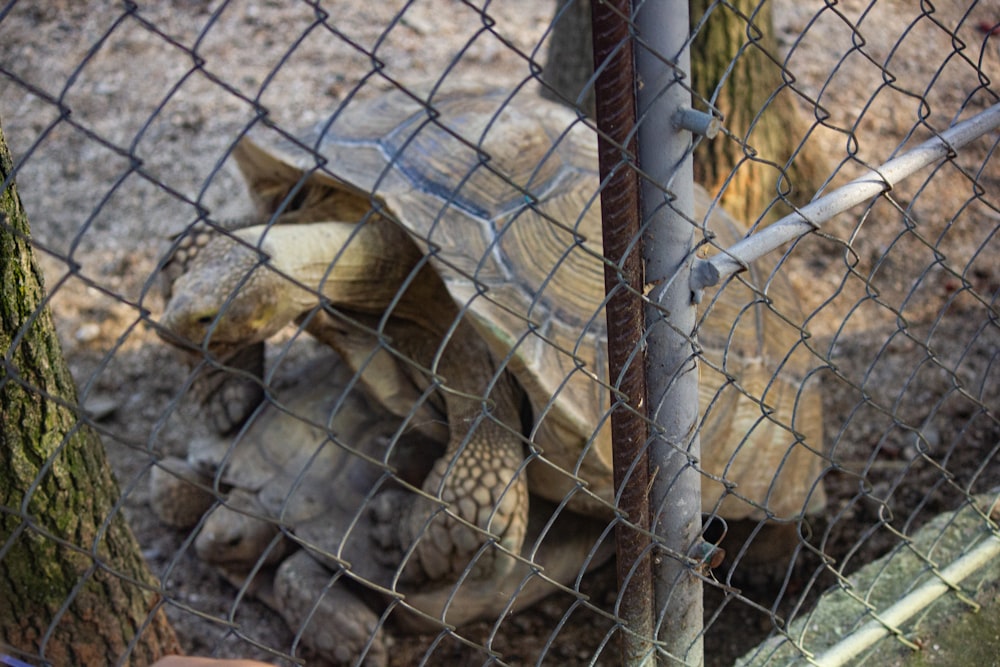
<point x="476" y="493"/>
<point x="475" y="497"/>
<point x="480" y="496"/>
<point x="229" y="394"/>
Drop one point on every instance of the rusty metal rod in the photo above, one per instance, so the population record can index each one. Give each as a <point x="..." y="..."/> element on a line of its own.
<point x="623" y="275"/>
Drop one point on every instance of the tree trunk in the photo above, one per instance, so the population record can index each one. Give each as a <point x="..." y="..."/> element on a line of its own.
<point x="74" y="589"/>
<point x="766" y="132"/>
<point x="570" y="57"/>
<point x="749" y="164"/>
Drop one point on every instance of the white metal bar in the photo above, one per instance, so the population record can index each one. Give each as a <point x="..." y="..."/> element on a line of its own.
<point x="709" y="272"/>
<point x="893" y="617"/>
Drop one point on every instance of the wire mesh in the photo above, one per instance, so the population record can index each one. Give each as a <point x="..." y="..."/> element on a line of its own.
<point x="848" y="381"/>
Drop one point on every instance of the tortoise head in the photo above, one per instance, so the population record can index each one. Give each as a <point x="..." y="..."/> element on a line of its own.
<point x="227" y="296"/>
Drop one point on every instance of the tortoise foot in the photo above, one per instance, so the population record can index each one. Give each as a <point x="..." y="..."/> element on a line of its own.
<point x="238" y="534"/>
<point x="479" y="522"/>
<point x="326" y="615"/>
<point x="178" y="494"/>
<point x="390" y="535"/>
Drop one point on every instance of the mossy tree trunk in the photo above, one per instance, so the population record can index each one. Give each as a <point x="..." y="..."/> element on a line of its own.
<point x="747" y="164"/>
<point x="74" y="589"/>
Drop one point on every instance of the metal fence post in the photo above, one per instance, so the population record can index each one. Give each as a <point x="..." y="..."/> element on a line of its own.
<point x="621" y="213"/>
<point x="663" y="63"/>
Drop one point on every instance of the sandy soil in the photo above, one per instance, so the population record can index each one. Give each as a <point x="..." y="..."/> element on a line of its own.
<point x="120" y="120"/>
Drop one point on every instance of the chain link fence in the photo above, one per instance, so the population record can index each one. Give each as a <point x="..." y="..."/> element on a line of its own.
<point x="330" y="279"/>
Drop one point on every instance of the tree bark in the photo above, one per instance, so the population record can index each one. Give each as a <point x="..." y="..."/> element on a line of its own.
<point x="74" y="589"/>
<point x="747" y="164"/>
<point x="570" y="57"/>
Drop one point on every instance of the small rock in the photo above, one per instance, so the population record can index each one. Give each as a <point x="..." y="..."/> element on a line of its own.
<point x="418" y="23"/>
<point x="99" y="406"/>
<point x="88" y="332"/>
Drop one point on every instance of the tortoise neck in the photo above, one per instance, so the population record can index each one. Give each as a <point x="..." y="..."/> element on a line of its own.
<point x="369" y="267"/>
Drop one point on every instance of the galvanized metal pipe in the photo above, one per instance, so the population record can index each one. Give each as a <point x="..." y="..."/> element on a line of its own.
<point x="880" y="179"/>
<point x="663" y="63"/>
<point x="616" y="115"/>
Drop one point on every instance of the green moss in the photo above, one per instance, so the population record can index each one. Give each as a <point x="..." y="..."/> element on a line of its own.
<point x="972" y="639"/>
<point x="55" y="472"/>
<point x="947" y="622"/>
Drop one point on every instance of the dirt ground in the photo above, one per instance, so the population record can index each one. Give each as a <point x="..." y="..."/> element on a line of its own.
<point x="120" y="119"/>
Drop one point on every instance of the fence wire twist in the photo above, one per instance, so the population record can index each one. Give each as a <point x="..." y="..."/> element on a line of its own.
<point x="415" y="466"/>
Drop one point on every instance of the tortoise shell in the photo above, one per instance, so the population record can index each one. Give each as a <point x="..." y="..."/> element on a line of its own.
<point x="501" y="190"/>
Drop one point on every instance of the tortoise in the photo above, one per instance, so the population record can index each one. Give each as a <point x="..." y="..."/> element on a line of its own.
<point x="306" y="464"/>
<point x="447" y="246"/>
